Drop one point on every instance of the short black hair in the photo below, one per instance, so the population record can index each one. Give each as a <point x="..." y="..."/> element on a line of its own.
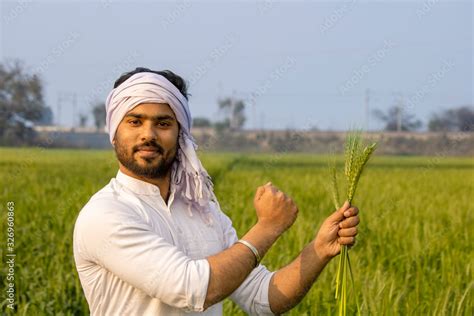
<point x="176" y="80"/>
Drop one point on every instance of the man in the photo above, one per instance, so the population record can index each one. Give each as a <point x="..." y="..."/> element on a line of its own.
<point x="154" y="240"/>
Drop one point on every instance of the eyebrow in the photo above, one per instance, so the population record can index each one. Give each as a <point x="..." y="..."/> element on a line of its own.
<point x="161" y="117"/>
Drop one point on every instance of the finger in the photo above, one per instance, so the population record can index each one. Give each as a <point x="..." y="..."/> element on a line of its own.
<point x="273" y="189"/>
<point x="347" y="232"/>
<point x="285" y="196"/>
<point x="280" y="195"/>
<point x="351" y="211"/>
<point x="296" y="209"/>
<point x="259" y="193"/>
<point x="346" y="240"/>
<point x="349" y="222"/>
<point x="270" y="187"/>
<point x="338" y="215"/>
<point x="345" y="206"/>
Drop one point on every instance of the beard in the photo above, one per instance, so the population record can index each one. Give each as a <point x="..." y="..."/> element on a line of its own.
<point x="153" y="167"/>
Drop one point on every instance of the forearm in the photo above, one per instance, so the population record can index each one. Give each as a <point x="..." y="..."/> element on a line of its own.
<point x="231" y="267"/>
<point x="291" y="283"/>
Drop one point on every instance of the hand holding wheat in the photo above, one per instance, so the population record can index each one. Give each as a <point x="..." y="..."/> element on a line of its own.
<point x="338" y="229"/>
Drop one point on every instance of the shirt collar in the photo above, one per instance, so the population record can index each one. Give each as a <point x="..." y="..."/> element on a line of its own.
<point x="139" y="186"/>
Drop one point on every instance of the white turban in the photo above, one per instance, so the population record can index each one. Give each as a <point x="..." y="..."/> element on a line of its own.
<point x="146" y="87"/>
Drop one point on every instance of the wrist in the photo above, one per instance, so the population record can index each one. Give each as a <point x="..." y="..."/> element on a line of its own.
<point x="322" y="255"/>
<point x="261" y="237"/>
<point x="252" y="248"/>
<point x="268" y="230"/>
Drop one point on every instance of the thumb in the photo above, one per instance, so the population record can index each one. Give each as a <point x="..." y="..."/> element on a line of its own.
<point x="338" y="215"/>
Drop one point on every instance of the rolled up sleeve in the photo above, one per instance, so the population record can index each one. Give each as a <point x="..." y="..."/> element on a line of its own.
<point x="252" y="294"/>
<point x="120" y="241"/>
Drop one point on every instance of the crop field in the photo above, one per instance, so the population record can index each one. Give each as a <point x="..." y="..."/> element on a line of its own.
<point x="414" y="252"/>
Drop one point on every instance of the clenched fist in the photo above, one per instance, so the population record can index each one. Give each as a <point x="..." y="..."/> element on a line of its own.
<point x="275" y="211"/>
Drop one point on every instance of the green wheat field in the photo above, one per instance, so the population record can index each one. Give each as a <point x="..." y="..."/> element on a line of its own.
<point x="414" y="253"/>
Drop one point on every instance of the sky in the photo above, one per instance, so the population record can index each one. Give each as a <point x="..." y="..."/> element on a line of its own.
<point x="298" y="64"/>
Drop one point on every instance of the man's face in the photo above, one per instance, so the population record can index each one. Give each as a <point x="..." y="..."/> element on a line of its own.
<point x="146" y="140"/>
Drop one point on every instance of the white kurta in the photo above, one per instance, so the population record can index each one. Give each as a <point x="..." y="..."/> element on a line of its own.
<point x="137" y="255"/>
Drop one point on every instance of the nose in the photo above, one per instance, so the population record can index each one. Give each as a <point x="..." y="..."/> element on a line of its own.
<point x="148" y="132"/>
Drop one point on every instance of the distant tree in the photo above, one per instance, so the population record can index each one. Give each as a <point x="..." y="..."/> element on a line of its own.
<point x="21" y="103"/>
<point x="201" y="122"/>
<point x="234" y="111"/>
<point x="46" y="117"/>
<point x="82" y="120"/>
<point x="98" y="112"/>
<point x="222" y="126"/>
<point x="396" y="119"/>
<point x="459" y="119"/>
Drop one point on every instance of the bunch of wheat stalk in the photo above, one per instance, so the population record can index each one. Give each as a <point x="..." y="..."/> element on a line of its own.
<point x="356" y="157"/>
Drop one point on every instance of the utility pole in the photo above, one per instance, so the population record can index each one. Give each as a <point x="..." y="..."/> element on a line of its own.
<point x="232" y="111"/>
<point x="254" y="114"/>
<point x="58" y="118"/>
<point x="74" y="108"/>
<point x="70" y="97"/>
<point x="399" y="113"/>
<point x="367" y="110"/>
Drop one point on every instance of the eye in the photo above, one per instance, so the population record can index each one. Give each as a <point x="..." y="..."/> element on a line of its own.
<point x="134" y="122"/>
<point x="163" y="124"/>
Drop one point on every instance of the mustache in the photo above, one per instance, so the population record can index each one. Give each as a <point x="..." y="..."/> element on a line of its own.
<point x="149" y="145"/>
